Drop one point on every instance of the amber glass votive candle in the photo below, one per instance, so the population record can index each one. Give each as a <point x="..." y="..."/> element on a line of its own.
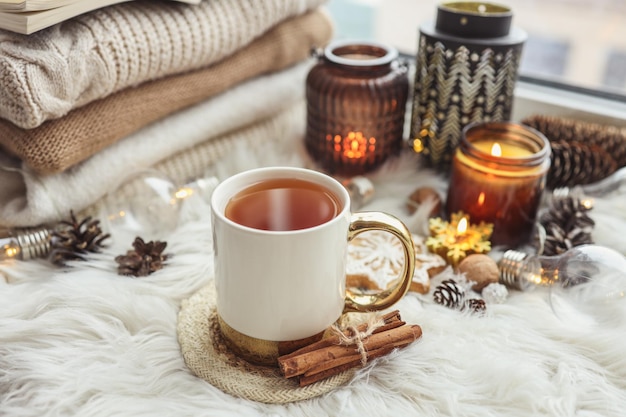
<point x="356" y="104"/>
<point x="498" y="176"/>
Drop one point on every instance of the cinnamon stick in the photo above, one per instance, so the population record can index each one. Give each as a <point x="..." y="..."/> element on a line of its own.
<point x="334" y="367"/>
<point x="299" y="364"/>
<point x="390" y="321"/>
<point x="308" y="379"/>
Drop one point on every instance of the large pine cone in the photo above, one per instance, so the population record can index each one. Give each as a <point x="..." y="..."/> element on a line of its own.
<point x="576" y="163"/>
<point x="557" y="129"/>
<point x="73" y="239"/>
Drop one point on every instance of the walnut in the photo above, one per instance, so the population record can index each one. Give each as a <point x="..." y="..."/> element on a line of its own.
<point x="480" y="269"/>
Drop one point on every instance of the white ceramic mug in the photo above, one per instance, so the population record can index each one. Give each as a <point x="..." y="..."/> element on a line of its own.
<point x="276" y="287"/>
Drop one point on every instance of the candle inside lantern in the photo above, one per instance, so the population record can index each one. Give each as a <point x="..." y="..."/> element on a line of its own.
<point x="456" y="239"/>
<point x="354" y="145"/>
<point x="356" y="106"/>
<point x="498" y="176"/>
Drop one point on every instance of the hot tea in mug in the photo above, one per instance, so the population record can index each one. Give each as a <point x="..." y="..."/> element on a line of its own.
<point x="280" y="238"/>
<point x="283" y="204"/>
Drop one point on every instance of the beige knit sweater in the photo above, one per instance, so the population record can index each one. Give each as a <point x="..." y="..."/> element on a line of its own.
<point x="45" y="75"/>
<point x="60" y="144"/>
<point x="28" y="199"/>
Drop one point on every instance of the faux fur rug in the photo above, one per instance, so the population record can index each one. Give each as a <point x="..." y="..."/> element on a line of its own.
<point x="84" y="341"/>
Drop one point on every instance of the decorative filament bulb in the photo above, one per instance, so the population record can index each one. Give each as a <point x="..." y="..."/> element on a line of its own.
<point x="24" y="243"/>
<point x="579" y="265"/>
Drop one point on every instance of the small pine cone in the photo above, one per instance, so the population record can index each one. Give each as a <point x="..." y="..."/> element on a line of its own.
<point x="449" y="294"/>
<point x="475" y="305"/>
<point x="72" y="240"/>
<point x="567" y="224"/>
<point x="577" y="163"/>
<point x="558" y="241"/>
<point x="143" y="260"/>
<point x="568" y="212"/>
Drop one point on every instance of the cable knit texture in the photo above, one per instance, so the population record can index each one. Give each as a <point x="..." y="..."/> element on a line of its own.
<point x="45" y="75"/>
<point x="59" y="144"/>
<point x="28" y="199"/>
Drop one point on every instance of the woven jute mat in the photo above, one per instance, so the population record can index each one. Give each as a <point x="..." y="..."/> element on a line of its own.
<point x="209" y="358"/>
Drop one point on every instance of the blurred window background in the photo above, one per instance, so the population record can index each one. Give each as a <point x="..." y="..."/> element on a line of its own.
<point x="579" y="43"/>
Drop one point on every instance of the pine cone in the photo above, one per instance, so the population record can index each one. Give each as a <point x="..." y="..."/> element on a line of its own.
<point x="610" y="138"/>
<point x="577" y="163"/>
<point x="475" y="305"/>
<point x="449" y="294"/>
<point x="567" y="224"/>
<point x="143" y="260"/>
<point x="72" y="240"/>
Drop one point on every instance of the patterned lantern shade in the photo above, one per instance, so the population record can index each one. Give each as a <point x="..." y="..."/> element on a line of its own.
<point x="356" y="105"/>
<point x="466" y="68"/>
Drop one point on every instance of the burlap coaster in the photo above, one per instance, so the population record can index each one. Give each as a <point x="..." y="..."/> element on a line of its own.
<point x="208" y="357"/>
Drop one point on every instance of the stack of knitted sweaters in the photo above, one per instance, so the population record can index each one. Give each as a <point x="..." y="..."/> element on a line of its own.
<point x="146" y="84"/>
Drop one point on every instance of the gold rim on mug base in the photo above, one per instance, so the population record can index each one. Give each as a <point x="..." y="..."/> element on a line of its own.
<point x="259" y="351"/>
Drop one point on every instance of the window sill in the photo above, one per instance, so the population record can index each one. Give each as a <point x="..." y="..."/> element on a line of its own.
<point x="533" y="98"/>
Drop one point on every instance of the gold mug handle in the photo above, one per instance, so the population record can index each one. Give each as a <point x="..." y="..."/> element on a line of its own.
<point x="373" y="220"/>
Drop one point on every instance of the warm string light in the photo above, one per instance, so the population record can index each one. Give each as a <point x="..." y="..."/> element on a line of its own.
<point x="184" y="192"/>
<point x="149" y="204"/>
<point x="10" y="251"/>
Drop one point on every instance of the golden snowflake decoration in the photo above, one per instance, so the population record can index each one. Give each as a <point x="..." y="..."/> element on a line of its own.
<point x="456" y="239"/>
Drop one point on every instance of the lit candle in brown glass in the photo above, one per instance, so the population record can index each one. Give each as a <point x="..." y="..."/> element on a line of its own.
<point x="356" y="104"/>
<point x="498" y="176"/>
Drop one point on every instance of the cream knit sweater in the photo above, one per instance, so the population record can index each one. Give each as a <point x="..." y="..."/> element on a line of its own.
<point x="28" y="199"/>
<point x="45" y="75"/>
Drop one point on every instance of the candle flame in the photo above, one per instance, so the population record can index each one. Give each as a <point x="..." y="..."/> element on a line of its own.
<point x="496" y="149"/>
<point x="461" y="228"/>
<point x="481" y="198"/>
<point x="354" y="145"/>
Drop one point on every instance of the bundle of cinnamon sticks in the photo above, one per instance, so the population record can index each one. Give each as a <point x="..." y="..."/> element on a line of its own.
<point x="330" y="356"/>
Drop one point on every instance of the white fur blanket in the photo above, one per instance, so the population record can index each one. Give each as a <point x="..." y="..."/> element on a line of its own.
<point x="86" y="342"/>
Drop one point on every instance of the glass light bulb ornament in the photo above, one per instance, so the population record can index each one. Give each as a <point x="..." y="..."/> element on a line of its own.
<point x="587" y="284"/>
<point x="579" y="265"/>
<point x="24" y="243"/>
<point x="148" y="204"/>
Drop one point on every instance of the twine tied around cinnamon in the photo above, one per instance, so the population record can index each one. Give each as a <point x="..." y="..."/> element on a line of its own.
<point x="335" y="354"/>
<point x="354" y="335"/>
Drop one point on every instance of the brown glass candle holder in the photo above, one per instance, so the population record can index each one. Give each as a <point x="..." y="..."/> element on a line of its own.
<point x="498" y="176"/>
<point x="356" y="105"/>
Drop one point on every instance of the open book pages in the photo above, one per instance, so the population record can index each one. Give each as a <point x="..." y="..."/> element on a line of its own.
<point x="29" y="16"/>
<point x="35" y="5"/>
